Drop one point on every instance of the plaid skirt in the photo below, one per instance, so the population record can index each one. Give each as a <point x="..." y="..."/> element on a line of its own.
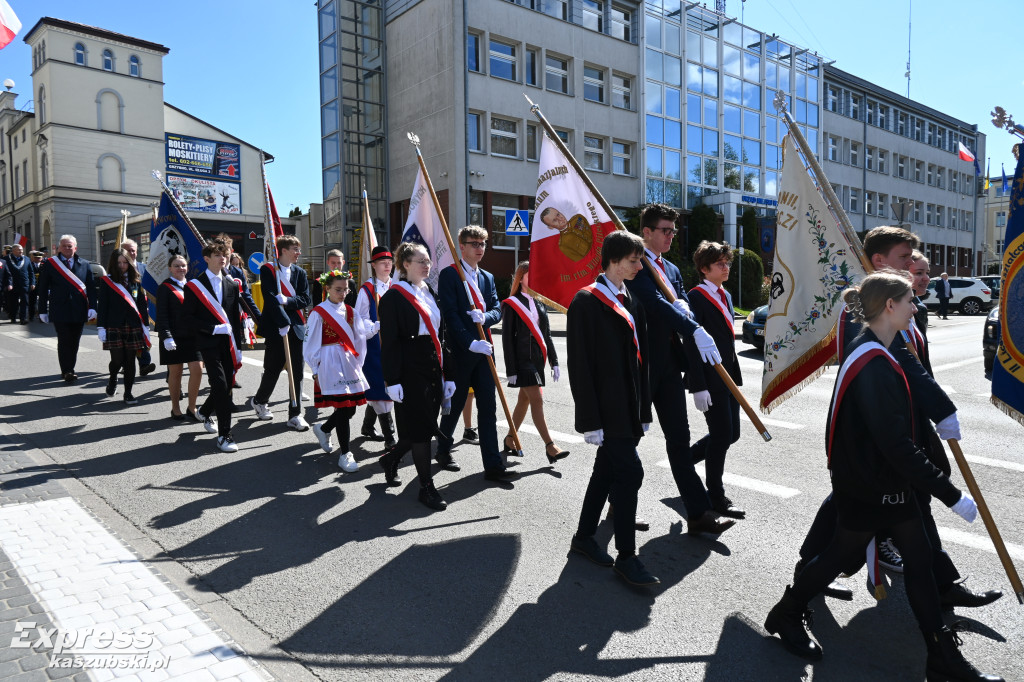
<point x="128" y="337"/>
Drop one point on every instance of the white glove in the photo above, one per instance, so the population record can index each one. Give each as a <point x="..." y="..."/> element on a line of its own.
<point x="222" y="329"/>
<point x="949" y="428"/>
<point x="683" y="307"/>
<point x="449" y="389"/>
<point x="966" y="508"/>
<point x="250" y="324"/>
<point x="646" y="426"/>
<point x="374" y="328"/>
<point x="512" y="379"/>
<point x="556" y="373"/>
<point x="283" y="331"/>
<point x="91" y="315"/>
<point x="102" y="334"/>
<point x="594" y="437"/>
<point x="281" y="299"/>
<point x="395" y="392"/>
<point x="169" y="344"/>
<point x="702" y="400"/>
<point x="44" y="318"/>
<point x="476" y="315"/>
<point x="706" y="347"/>
<point x="482" y="347"/>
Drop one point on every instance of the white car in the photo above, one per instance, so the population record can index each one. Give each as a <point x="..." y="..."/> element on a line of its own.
<point x="970" y="295"/>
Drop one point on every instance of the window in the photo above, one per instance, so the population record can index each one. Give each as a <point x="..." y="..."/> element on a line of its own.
<point x="504" y="137"/>
<point x="940" y="177"/>
<point x="881" y="160"/>
<point x="855" y="106"/>
<point x="854" y="154"/>
<point x="940" y="214"/>
<point x="44" y="165"/>
<point x="473" y="132"/>
<point x="883" y="116"/>
<point x="532" y="65"/>
<point x="531" y="142"/>
<point x="931" y="134"/>
<point x="556" y="76"/>
<point x="931" y="174"/>
<point x="134" y="67"/>
<point x="901" y="124"/>
<point x="882" y="199"/>
<point x="41" y="106"/>
<point x="503" y="60"/>
<point x="621" y="159"/>
<point x="918" y="171"/>
<point x="1000" y="220"/>
<point x="499" y="204"/>
<point x="854" y="200"/>
<point x="869" y="203"/>
<point x="833" y="98"/>
<point x="928" y="214"/>
<point x="108" y="60"/>
<point x="869" y="158"/>
<point x="621" y="87"/>
<point x="80" y="54"/>
<point x="593" y="84"/>
<point x="917" y="129"/>
<point x="917" y="211"/>
<point x="17" y="182"/>
<point x="901" y="166"/>
<point x="593" y="153"/>
<point x="555" y="8"/>
<point x="473" y="52"/>
<point x="593" y="15"/>
<point x="621" y="21"/>
<point x="833" y="148"/>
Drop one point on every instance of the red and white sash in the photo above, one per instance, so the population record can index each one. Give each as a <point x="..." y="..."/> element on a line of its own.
<point x="215" y="308"/>
<point x="285" y="287"/>
<point x="178" y="293"/>
<point x="524" y="314"/>
<point x="474" y="291"/>
<point x="127" y="298"/>
<point x="69" y="276"/>
<point x="424" y="313"/>
<point x="606" y="296"/>
<point x="341" y="326"/>
<point x="716" y="301"/>
<point x="918" y="339"/>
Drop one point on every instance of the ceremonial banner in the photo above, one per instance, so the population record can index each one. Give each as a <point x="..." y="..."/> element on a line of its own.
<point x="569" y="227"/>
<point x="424" y="227"/>
<point x="169" y="236"/>
<point x="813" y="264"/>
<point x="1008" y="369"/>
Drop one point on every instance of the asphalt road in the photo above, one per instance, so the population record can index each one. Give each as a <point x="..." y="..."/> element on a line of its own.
<point x="353" y="580"/>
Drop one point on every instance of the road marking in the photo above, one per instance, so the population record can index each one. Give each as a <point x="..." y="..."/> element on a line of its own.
<point x="259" y="363"/>
<point x="947" y="388"/>
<point x="781" y="424"/>
<point x="557" y="435"/>
<point x="954" y="365"/>
<point x="765" y="487"/>
<point x="1002" y="464"/>
<point x="974" y="541"/>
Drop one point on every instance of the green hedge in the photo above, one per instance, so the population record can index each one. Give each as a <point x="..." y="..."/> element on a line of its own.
<point x="753" y="280"/>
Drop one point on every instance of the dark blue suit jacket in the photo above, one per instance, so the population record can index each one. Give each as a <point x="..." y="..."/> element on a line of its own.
<point x="61" y="300"/>
<point x="275" y="315"/>
<point x="247" y="302"/>
<point x="455" y="302"/>
<point x="21" y="278"/>
<point x="665" y="323"/>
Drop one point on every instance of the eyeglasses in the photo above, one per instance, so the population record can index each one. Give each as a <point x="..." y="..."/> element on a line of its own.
<point x="724" y="264"/>
<point x="421" y="261"/>
<point x="476" y="245"/>
<point x="667" y="230"/>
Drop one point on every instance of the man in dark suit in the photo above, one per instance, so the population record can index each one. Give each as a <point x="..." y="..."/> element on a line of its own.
<point x="249" y="306"/>
<point x="35" y="260"/>
<point x="285" y="298"/>
<point x="609" y="368"/>
<point x="668" y="324"/>
<point x="212" y="314"/>
<point x="22" y="281"/>
<point x="461" y="316"/>
<point x="67" y="297"/>
<point x="944" y="292"/>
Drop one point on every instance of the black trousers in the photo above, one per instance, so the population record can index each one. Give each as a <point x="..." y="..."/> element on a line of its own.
<point x="273" y="364"/>
<point x="618" y="473"/>
<point x="473" y="371"/>
<point x="69" y="335"/>
<point x="339" y="423"/>
<point x="220" y="371"/>
<point x="32" y="298"/>
<point x="17" y="305"/>
<point x="943" y="307"/>
<point x="669" y="397"/>
<point x="723" y="420"/>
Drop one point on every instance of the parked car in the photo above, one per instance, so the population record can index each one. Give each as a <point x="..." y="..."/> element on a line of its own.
<point x="994" y="283"/>
<point x="990" y="340"/>
<point x="753" y="327"/>
<point x="970" y="296"/>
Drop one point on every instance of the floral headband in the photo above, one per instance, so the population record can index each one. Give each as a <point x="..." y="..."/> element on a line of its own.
<point x="333" y="274"/>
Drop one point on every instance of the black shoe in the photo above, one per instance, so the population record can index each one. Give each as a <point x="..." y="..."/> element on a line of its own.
<point x="470" y="435"/>
<point x="787" y="619"/>
<point x="129" y="399"/>
<point x="70" y="377"/>
<point x="835" y="589"/>
<point x="709" y="522"/>
<point x="371" y="434"/>
<point x="960" y="595"/>
<point x="589" y="548"/>
<point x="389" y="462"/>
<point x="177" y="417"/>
<point x="724" y="506"/>
<point x="561" y="454"/>
<point x="633" y="572"/>
<point x="502" y="475"/>
<point x="111" y="386"/>
<point x="947" y="664"/>
<point x="236" y="385"/>
<point x="431" y="498"/>
<point x="147" y="369"/>
<point x="192" y="416"/>
<point x="447" y="462"/>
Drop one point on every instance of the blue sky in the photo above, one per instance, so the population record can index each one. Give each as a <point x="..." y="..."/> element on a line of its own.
<point x="250" y="66"/>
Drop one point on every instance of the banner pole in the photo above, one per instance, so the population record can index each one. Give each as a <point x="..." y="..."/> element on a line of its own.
<point x="666" y="290"/>
<point x="181" y="209"/>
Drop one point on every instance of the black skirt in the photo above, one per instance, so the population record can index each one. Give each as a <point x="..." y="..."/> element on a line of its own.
<point x="184" y="354"/>
<point x="528" y="377"/>
<point x="423" y="387"/>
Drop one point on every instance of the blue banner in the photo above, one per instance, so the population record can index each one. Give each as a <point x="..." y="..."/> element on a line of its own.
<point x="1008" y="370"/>
<point x="170" y="235"/>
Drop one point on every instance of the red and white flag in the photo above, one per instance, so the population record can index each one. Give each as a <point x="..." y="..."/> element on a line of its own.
<point x="18" y="237"/>
<point x="9" y="24"/>
<point x="569" y="227"/>
<point x="965" y="153"/>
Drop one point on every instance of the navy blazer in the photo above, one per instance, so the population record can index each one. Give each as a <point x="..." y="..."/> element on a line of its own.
<point x="455" y="303"/>
<point x="199" y="322"/>
<point x="275" y="315"/>
<point x="113" y="311"/>
<point x="60" y="299"/>
<point x="665" y="322"/>
<point x="20" y="277"/>
<point x="704" y="377"/>
<point x="247" y="302"/>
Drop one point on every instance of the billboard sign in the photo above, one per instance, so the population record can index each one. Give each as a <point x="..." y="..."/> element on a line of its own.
<point x="206" y="196"/>
<point x="207" y="158"/>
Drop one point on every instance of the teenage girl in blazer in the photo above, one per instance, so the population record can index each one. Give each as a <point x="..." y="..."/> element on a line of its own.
<point x="122" y="320"/>
<point x="177" y="346"/>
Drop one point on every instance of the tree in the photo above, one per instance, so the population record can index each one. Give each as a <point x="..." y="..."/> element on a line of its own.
<point x="753" y="277"/>
<point x="748" y="227"/>
<point x="295" y="212"/>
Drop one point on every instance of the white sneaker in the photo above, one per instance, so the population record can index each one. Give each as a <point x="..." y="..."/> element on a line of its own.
<point x="324" y="438"/>
<point x="305" y="398"/>
<point x="298" y="423"/>
<point x="262" y="410"/>
<point x="210" y="424"/>
<point x="348" y="463"/>
<point x="226" y="444"/>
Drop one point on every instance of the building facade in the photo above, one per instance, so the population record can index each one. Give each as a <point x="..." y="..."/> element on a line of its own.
<point x="997" y="209"/>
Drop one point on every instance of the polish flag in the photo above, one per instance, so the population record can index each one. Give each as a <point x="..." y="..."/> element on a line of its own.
<point x="965" y="153"/>
<point x="569" y="227"/>
<point x="9" y="24"/>
<point x="20" y="238"/>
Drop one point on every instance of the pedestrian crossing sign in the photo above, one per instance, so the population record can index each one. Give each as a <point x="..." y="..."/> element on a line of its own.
<point x="517" y="222"/>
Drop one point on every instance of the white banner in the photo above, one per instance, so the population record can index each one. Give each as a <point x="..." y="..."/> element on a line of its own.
<point x="424" y="226"/>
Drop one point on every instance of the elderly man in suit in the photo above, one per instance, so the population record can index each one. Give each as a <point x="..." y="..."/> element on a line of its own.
<point x="944" y="292"/>
<point x="67" y="298"/>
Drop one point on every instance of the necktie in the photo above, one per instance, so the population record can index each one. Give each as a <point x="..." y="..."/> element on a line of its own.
<point x="622" y="298"/>
<point x="725" y="301"/>
<point x="660" y="263"/>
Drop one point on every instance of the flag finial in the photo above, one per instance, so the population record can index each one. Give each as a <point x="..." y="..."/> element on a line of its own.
<point x="780" y="101"/>
<point x="534" y="108"/>
<point x="414" y="138"/>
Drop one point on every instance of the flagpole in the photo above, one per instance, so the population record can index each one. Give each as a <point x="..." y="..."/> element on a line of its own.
<point x="666" y="290"/>
<point x="122" y="229"/>
<point x="512" y="431"/>
<point x="268" y="231"/>
<point x="367" y="225"/>
<point x="181" y="209"/>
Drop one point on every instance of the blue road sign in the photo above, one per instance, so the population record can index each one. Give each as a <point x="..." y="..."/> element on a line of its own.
<point x="517" y="222"/>
<point x="256" y="262"/>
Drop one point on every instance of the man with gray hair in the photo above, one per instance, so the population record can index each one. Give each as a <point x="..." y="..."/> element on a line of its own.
<point x="67" y="298"/>
<point x="944" y="291"/>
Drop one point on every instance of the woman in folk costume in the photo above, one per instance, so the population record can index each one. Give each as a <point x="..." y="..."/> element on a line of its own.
<point x="335" y="349"/>
<point x="177" y="347"/>
<point x="367" y="301"/>
<point x="527" y="345"/>
<point x="415" y="359"/>
<point x="122" y="320"/>
<point x="876" y="469"/>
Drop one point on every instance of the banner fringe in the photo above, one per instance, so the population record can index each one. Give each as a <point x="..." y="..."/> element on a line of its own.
<point x="767" y="409"/>
<point x="1008" y="410"/>
<point x="829" y="340"/>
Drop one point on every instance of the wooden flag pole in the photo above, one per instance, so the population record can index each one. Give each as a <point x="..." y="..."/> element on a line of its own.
<point x="666" y="290"/>
<point x="122" y="229"/>
<point x="462" y="276"/>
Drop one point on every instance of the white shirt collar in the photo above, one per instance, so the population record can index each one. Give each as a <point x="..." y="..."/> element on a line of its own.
<point x="469" y="268"/>
<point x="650" y="254"/>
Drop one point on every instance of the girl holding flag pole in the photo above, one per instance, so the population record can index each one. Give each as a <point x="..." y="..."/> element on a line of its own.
<point x="367" y="303"/>
<point x="526" y="340"/>
<point x="122" y="320"/>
